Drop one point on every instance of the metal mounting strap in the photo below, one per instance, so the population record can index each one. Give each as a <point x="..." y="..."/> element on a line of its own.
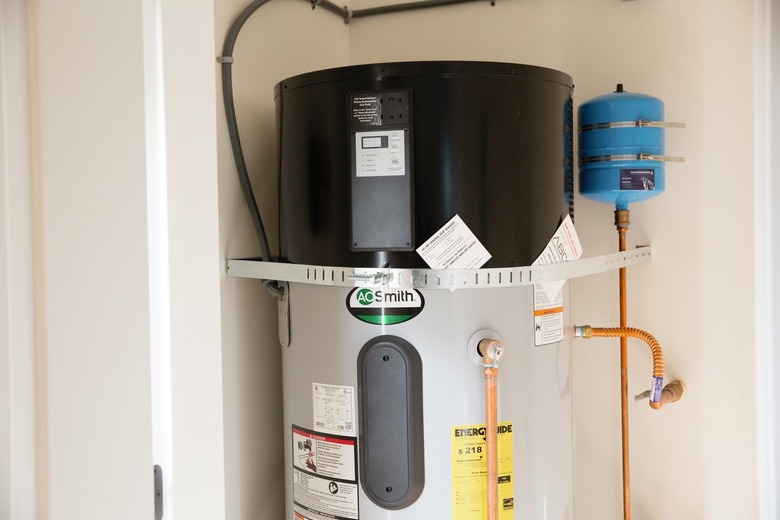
<point x="450" y="279"/>
<point x="640" y="123"/>
<point x="631" y="157"/>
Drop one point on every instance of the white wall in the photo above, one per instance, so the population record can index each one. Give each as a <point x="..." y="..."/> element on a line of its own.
<point x="280" y="40"/>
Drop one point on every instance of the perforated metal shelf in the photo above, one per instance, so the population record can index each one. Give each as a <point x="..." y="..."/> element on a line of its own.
<point x="451" y="279"/>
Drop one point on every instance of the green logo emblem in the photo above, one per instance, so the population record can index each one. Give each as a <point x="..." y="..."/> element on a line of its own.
<point x="365" y="297"/>
<point x="384" y="306"/>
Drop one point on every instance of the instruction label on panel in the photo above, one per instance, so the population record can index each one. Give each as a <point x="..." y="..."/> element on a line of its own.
<point x="333" y="408"/>
<point x="366" y="109"/>
<point x="469" y="472"/>
<point x="380" y="153"/>
<point x="324" y="476"/>
<point x="548" y="297"/>
<point x="454" y="247"/>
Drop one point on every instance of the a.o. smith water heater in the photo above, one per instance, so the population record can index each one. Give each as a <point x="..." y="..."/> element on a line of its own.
<point x="384" y="404"/>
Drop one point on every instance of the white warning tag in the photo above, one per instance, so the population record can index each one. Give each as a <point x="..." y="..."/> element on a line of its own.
<point x="548" y="297"/>
<point x="454" y="246"/>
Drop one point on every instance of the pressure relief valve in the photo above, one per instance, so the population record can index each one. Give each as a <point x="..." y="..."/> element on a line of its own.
<point x="491" y="351"/>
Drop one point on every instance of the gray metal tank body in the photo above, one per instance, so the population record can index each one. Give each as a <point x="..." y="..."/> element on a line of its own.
<point x="534" y="390"/>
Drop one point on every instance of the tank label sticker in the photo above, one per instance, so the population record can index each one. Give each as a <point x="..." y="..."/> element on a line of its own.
<point x="548" y="317"/>
<point x="637" y="179"/>
<point x="469" y="472"/>
<point x="548" y="297"/>
<point x="324" y="474"/>
<point x="383" y="306"/>
<point x="333" y="408"/>
<point x="366" y="109"/>
<point x="454" y="246"/>
<point x="381" y="153"/>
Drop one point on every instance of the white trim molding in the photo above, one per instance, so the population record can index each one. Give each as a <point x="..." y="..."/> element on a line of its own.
<point x="767" y="250"/>
<point x="17" y="337"/>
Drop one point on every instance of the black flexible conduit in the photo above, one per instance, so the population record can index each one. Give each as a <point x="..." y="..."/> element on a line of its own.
<point x="230" y="110"/>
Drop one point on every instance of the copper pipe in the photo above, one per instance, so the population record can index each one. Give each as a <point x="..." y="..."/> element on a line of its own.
<point x="622" y="222"/>
<point x="491" y="351"/>
<point x="491" y="441"/>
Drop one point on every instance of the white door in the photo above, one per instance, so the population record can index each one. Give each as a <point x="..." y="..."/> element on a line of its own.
<point x="110" y="311"/>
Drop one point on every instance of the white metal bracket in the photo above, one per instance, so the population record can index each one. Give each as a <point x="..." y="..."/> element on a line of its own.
<point x="451" y="279"/>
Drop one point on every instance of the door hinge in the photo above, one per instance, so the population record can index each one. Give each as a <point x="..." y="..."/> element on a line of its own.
<point x="158" y="492"/>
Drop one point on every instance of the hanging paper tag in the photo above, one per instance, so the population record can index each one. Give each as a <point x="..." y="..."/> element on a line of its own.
<point x="548" y="297"/>
<point x="454" y="246"/>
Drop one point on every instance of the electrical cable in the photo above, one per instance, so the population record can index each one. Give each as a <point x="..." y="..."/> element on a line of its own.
<point x="230" y="112"/>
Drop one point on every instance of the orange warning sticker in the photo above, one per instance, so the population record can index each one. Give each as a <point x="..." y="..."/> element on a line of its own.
<point x="544" y="312"/>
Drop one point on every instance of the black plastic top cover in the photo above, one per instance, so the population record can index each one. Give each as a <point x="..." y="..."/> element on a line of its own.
<point x="490" y="142"/>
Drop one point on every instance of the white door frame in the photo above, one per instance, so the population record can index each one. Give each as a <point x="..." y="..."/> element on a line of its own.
<point x="767" y="251"/>
<point x="17" y="338"/>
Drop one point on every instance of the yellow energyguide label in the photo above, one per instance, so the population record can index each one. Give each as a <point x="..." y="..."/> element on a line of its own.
<point x="469" y="472"/>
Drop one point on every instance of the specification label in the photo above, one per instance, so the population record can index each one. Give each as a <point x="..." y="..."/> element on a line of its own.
<point x="469" y="472"/>
<point x="324" y="475"/>
<point x="334" y="408"/>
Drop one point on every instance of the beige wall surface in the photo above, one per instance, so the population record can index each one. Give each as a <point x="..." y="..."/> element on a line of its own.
<point x="693" y="460"/>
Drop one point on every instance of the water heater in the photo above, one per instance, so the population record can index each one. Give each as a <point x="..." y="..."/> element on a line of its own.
<point x="384" y="411"/>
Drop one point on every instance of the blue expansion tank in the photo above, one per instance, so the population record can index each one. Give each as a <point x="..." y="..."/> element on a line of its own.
<point x="621" y="147"/>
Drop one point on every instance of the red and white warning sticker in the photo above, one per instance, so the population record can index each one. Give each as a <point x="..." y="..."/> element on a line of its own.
<point x="324" y="475"/>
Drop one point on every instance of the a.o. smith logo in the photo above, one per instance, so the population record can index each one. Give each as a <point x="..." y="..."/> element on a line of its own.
<point x="385" y="306"/>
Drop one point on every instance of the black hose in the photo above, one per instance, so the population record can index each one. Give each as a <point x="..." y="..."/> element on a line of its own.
<point x="230" y="112"/>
